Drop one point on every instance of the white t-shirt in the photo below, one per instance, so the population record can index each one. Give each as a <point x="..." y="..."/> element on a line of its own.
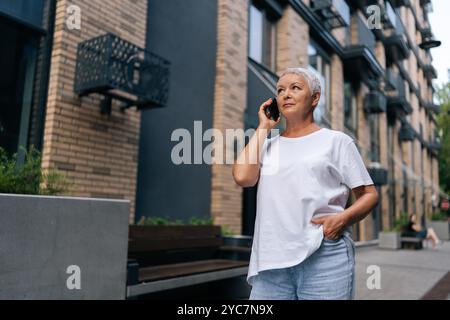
<point x="301" y="178"/>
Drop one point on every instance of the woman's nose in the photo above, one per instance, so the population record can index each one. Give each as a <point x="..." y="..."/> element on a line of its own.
<point x="287" y="94"/>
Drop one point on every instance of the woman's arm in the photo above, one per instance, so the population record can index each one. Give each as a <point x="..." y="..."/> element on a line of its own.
<point x="247" y="165"/>
<point x="366" y="200"/>
<point x="334" y="225"/>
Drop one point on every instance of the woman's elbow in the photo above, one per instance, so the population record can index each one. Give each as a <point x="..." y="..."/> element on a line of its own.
<point x="376" y="198"/>
<point x="243" y="181"/>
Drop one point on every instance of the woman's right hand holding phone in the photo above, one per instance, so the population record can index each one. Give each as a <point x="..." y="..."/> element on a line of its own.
<point x="264" y="121"/>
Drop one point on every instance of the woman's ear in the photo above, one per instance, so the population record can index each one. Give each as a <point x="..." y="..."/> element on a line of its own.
<point x="315" y="99"/>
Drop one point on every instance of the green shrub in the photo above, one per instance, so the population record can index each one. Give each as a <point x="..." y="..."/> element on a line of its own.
<point x="165" y="221"/>
<point x="198" y="221"/>
<point x="401" y="222"/>
<point x="439" y="216"/>
<point x="29" y="178"/>
<point x="225" y="231"/>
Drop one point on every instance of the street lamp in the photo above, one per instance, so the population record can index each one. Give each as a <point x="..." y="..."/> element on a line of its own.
<point x="430" y="43"/>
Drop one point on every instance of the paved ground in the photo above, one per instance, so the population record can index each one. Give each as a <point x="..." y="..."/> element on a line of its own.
<point x="405" y="274"/>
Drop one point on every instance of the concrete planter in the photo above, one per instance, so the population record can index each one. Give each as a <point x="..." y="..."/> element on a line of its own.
<point x="441" y="228"/>
<point x="62" y="248"/>
<point x="238" y="241"/>
<point x="389" y="240"/>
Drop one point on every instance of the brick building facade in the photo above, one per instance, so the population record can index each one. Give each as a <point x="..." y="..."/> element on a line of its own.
<point x="378" y="89"/>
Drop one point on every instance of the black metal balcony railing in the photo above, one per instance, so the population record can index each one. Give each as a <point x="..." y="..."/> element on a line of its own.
<point x="396" y="101"/>
<point x="433" y="107"/>
<point x="429" y="71"/>
<point x="359" y="58"/>
<point x="390" y="80"/>
<point x="396" y="43"/>
<point x="375" y="102"/>
<point x="435" y="144"/>
<point x="335" y="13"/>
<point x="365" y="35"/>
<point x="426" y="33"/>
<point x="379" y="175"/>
<point x="406" y="133"/>
<point x="388" y="18"/>
<point x="362" y="3"/>
<point x="399" y="3"/>
<point x="120" y="70"/>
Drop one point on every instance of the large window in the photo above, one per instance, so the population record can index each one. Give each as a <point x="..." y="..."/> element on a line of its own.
<point x="262" y="37"/>
<point x="350" y="109"/>
<point x="17" y="64"/>
<point x="320" y="63"/>
<point x="374" y="137"/>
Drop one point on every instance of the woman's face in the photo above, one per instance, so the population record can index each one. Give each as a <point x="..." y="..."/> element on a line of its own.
<point x="413" y="218"/>
<point x="294" y="96"/>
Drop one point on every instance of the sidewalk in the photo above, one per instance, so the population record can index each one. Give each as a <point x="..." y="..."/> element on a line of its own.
<point x="405" y="274"/>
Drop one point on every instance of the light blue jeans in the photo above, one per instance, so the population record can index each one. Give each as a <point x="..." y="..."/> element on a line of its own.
<point x="328" y="274"/>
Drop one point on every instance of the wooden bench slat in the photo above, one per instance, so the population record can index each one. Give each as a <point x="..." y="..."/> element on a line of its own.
<point x="234" y="248"/>
<point x="174" y="232"/>
<point x="141" y="245"/>
<point x="410" y="239"/>
<point x="187" y="268"/>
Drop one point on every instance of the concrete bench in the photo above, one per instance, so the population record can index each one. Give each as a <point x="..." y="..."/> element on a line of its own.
<point x="411" y="243"/>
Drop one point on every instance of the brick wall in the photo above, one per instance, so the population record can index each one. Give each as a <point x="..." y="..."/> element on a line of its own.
<point x="229" y="105"/>
<point x="97" y="152"/>
<point x="292" y="41"/>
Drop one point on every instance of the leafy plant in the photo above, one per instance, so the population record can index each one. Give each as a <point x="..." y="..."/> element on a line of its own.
<point x="165" y="221"/>
<point x="401" y="222"/>
<point x="439" y="216"/>
<point x="198" y="221"/>
<point x="226" y="231"/>
<point x="443" y="127"/>
<point x="29" y="177"/>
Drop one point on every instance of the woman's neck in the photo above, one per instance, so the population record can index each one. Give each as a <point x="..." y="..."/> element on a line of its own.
<point x="299" y="128"/>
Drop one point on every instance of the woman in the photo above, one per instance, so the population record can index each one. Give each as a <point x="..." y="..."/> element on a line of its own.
<point x="302" y="246"/>
<point x="417" y="230"/>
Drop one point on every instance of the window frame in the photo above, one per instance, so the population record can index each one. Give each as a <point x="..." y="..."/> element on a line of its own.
<point x="268" y="36"/>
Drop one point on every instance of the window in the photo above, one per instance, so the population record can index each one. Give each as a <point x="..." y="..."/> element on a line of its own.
<point x="262" y="37"/>
<point x="18" y="63"/>
<point x="350" y="109"/>
<point x="320" y="63"/>
<point x="374" y="137"/>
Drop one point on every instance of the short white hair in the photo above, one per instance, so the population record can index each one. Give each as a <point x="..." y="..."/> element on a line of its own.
<point x="310" y="76"/>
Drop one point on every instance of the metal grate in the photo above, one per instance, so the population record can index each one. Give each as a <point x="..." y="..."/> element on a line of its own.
<point x="120" y="70"/>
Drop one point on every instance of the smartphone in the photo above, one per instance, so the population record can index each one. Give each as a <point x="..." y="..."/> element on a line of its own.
<point x="272" y="111"/>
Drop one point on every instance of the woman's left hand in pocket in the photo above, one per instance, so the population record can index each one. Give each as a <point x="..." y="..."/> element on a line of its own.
<point x="333" y="226"/>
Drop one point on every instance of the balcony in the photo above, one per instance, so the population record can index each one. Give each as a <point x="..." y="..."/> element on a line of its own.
<point x="396" y="101"/>
<point x="362" y="3"/>
<point x="396" y="43"/>
<point x="433" y="107"/>
<point x="435" y="144"/>
<point x="406" y="133"/>
<point x="359" y="58"/>
<point x="334" y="13"/>
<point x="378" y="174"/>
<point x="429" y="71"/>
<point x="388" y="16"/>
<point x="390" y="80"/>
<point x="375" y="102"/>
<point x="400" y="3"/>
<point x="117" y="69"/>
